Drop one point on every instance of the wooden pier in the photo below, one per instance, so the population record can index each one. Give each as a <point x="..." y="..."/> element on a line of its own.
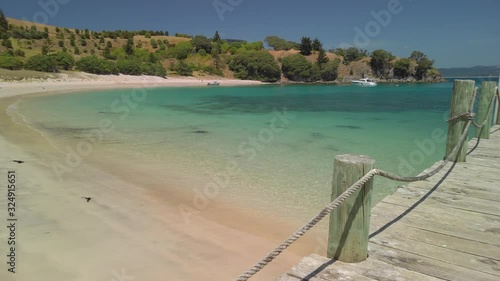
<point x="443" y="228"/>
<point x="444" y="225"/>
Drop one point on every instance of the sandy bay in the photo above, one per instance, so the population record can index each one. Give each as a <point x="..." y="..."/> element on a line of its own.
<point x="132" y="226"/>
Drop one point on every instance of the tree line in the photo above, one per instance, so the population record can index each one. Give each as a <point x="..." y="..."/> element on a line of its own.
<point x="247" y="60"/>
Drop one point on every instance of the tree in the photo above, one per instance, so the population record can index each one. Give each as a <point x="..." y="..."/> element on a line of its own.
<point x="216" y="37"/>
<point x="129" y="46"/>
<point x="7" y="43"/>
<point x="296" y="68"/>
<point x="305" y="46"/>
<point x="216" y="61"/>
<point x="182" y="50"/>
<point x="316" y="45"/>
<point x="41" y="63"/>
<point x="202" y="42"/>
<point x="329" y="71"/>
<point x="353" y="54"/>
<point x="184" y="69"/>
<point x="129" y="67"/>
<point x="381" y="62"/>
<point x="402" y="68"/>
<point x="10" y="62"/>
<point x="154" y="44"/>
<point x="322" y="58"/>
<point x="95" y="65"/>
<point x="417" y="56"/>
<point x="63" y="60"/>
<point x="4" y="24"/>
<point x="278" y="43"/>
<point x="255" y="65"/>
<point x="423" y="64"/>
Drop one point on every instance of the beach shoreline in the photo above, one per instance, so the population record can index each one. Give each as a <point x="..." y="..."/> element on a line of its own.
<point x="61" y="232"/>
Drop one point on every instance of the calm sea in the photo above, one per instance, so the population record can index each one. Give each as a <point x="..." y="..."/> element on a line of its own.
<point x="269" y="146"/>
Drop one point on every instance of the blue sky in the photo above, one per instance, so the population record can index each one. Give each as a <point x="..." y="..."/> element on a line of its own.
<point x="452" y="32"/>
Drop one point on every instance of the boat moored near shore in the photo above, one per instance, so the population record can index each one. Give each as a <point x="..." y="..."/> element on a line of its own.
<point x="364" y="82"/>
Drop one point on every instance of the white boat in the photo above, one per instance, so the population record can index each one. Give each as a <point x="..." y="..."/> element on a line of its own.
<point x="364" y="82"/>
<point x="215" y="83"/>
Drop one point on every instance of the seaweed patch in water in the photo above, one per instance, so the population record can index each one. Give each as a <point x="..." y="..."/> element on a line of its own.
<point x="200" y="132"/>
<point x="332" y="147"/>
<point x="348" y="127"/>
<point x="317" y="135"/>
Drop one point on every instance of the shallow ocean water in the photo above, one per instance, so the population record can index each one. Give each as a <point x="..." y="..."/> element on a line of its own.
<point x="273" y="144"/>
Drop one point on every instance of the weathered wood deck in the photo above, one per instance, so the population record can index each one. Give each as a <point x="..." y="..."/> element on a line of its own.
<point x="444" y="228"/>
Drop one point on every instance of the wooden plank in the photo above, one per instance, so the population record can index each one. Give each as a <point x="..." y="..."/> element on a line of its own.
<point x="385" y="214"/>
<point x="438" y="213"/>
<point x="489" y="198"/>
<point x="452" y="199"/>
<point x="409" y="196"/>
<point x="465" y="185"/>
<point x="428" y="266"/>
<point x="370" y="269"/>
<point x="403" y="242"/>
<point x="473" y="247"/>
<point x="316" y="268"/>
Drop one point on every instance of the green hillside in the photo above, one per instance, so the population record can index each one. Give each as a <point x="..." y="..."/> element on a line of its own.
<point x="37" y="47"/>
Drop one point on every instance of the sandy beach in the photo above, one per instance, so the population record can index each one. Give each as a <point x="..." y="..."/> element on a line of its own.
<point x="128" y="231"/>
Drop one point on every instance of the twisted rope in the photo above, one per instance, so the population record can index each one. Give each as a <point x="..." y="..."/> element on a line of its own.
<point x="355" y="187"/>
<point x="339" y="200"/>
<point x="470" y="115"/>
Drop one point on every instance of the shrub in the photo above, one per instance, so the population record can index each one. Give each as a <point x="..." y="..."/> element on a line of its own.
<point x="296" y="68"/>
<point x="41" y="63"/>
<point x="255" y="65"/>
<point x="10" y="62"/>
<point x="129" y="67"/>
<point x="154" y="69"/>
<point x="63" y="60"/>
<point x="95" y="65"/>
<point x="182" y="68"/>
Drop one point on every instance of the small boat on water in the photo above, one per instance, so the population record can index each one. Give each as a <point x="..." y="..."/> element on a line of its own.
<point x="364" y="82"/>
<point x="215" y="83"/>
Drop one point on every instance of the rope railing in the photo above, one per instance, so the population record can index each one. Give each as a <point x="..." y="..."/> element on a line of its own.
<point x="361" y="182"/>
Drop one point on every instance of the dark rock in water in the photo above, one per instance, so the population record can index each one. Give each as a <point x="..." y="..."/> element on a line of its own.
<point x="348" y="127"/>
<point x="200" y="132"/>
<point x="332" y="147"/>
<point x="318" y="135"/>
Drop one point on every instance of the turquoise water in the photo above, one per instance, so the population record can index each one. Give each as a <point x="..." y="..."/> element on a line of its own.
<point x="280" y="139"/>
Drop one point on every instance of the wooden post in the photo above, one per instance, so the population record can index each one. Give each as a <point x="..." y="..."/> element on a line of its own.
<point x="487" y="92"/>
<point x="350" y="222"/>
<point x="463" y="92"/>
<point x="497" y="111"/>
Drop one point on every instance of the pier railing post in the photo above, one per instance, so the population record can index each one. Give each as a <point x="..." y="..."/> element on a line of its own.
<point x="487" y="93"/>
<point x="350" y="222"/>
<point x="463" y="93"/>
<point x="497" y="110"/>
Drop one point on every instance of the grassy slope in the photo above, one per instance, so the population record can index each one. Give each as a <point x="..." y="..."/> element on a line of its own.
<point x="358" y="68"/>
